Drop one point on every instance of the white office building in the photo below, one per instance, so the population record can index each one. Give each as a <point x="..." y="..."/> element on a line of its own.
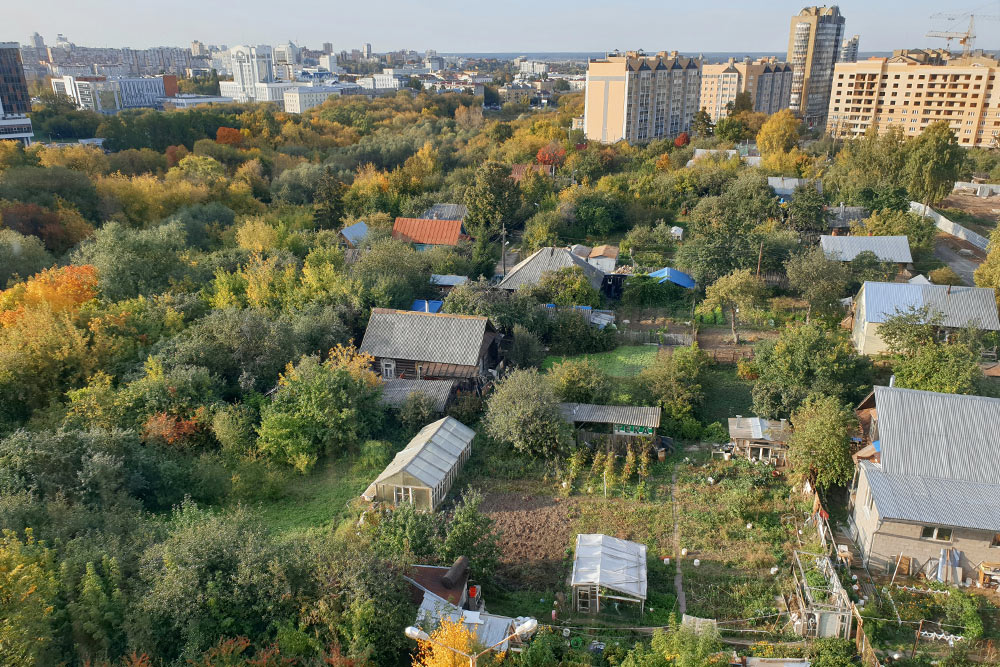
<point x="138" y="92"/>
<point x="303" y="98"/>
<point x="250" y="65"/>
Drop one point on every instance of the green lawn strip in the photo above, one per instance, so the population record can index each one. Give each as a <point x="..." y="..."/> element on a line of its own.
<point x="726" y="395"/>
<point x="317" y="499"/>
<point x="624" y="361"/>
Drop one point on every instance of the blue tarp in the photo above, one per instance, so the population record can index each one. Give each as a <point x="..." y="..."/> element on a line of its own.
<point x="674" y="276"/>
<point x="427" y="306"/>
<point x="877" y="445"/>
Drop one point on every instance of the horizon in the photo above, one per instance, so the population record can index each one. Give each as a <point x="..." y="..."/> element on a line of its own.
<point x="588" y="27"/>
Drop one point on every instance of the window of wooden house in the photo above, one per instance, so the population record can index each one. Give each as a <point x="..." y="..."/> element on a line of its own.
<point x="388" y="368"/>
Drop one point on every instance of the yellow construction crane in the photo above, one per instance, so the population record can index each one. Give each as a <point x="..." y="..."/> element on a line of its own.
<point x="965" y="39"/>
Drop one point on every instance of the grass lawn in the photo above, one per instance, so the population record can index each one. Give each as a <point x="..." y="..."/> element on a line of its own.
<point x="318" y="499"/>
<point x="726" y="395"/>
<point x="624" y="361"/>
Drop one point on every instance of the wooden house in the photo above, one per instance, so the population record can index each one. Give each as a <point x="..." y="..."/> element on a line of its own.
<point x="760" y="439"/>
<point x="430" y="346"/>
<point x="427" y="233"/>
<point x="422" y="474"/>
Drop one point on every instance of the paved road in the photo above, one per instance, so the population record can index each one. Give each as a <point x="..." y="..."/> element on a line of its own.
<point x="946" y="249"/>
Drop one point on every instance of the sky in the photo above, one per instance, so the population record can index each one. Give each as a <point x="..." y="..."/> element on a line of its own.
<point x="451" y="26"/>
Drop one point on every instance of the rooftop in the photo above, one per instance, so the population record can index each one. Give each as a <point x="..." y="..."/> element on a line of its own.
<point x="531" y="269"/>
<point x="886" y="248"/>
<point x="632" y="415"/>
<point x="397" y="390"/>
<point x="757" y="428"/>
<point x="606" y="561"/>
<point x="432" y="452"/>
<point x="417" y="336"/>
<point x="958" y="306"/>
<point x="428" y="231"/>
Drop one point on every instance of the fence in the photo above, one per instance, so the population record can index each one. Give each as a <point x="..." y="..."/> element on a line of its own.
<point x="864" y="646"/>
<point x="979" y="189"/>
<point x="732" y="356"/>
<point x="949" y="227"/>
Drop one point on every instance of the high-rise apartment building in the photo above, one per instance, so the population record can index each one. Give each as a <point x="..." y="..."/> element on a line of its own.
<point x="253" y="76"/>
<point x="37" y="42"/>
<point x="912" y="89"/>
<point x="198" y="49"/>
<point x="15" y="103"/>
<point x="849" y="50"/>
<point x="768" y="82"/>
<point x="328" y="48"/>
<point x="638" y="98"/>
<point x="814" y="43"/>
<point x="367" y="51"/>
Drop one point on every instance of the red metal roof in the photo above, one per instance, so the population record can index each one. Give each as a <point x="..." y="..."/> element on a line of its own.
<point x="428" y="231"/>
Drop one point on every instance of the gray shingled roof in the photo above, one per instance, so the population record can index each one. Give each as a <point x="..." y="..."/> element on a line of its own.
<point x="932" y="435"/>
<point x="416" y="336"/>
<point x="397" y="390"/>
<point x="886" y="248"/>
<point x="446" y="212"/>
<point x="432" y="452"/>
<point x="633" y="415"/>
<point x="944" y="502"/>
<point x="529" y="271"/>
<point x="958" y="306"/>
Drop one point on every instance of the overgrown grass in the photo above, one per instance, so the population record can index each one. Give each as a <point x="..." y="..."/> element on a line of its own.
<point x="625" y="361"/>
<point x="726" y="395"/>
<point x="318" y="499"/>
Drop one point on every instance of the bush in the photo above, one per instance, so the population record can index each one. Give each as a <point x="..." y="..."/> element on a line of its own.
<point x="945" y="276"/>
<point x="467" y="408"/>
<point x="375" y="455"/>
<point x="715" y="432"/>
<point x="417" y="410"/>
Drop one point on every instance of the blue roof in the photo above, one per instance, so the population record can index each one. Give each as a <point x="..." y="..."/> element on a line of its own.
<point x="674" y="276"/>
<point x="355" y="233"/>
<point x="427" y="306"/>
<point x="878" y="445"/>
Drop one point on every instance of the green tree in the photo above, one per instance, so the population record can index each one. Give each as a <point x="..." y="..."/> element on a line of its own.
<point x="870" y="172"/>
<point x="28" y="588"/>
<point x="675" y="380"/>
<point x="820" y="445"/>
<point x="471" y="533"/>
<point x="701" y="124"/>
<point x="579" y="381"/>
<point x="527" y="350"/>
<point x="933" y="163"/>
<point x="568" y="286"/>
<point x="731" y="129"/>
<point x="918" y="230"/>
<point x="492" y="199"/>
<point x="988" y="273"/>
<point x="866" y="266"/>
<point x="321" y="408"/>
<point x="391" y="274"/>
<point x="806" y="212"/>
<point x="949" y="368"/>
<point x="21" y="256"/>
<point x="740" y="293"/>
<point x="743" y="102"/>
<point x="328" y="201"/>
<point x="805" y="360"/>
<point x="523" y="411"/>
<point x="819" y="280"/>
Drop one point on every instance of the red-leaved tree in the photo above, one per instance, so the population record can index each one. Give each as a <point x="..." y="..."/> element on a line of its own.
<point x="682" y="140"/>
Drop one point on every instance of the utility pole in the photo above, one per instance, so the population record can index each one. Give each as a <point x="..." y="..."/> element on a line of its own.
<point x="503" y="248"/>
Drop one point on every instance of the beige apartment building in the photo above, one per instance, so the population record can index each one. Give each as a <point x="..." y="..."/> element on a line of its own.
<point x="638" y="98"/>
<point x="768" y="81"/>
<point x="814" y="42"/>
<point x="912" y="89"/>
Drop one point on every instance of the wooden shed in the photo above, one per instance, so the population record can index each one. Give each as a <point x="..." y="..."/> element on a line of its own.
<point x="424" y="471"/>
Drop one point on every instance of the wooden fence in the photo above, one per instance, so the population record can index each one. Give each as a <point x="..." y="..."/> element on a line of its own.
<point x="724" y="356"/>
<point x="864" y="646"/>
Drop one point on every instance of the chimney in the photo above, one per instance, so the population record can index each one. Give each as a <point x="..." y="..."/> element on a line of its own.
<point x="949" y="290"/>
<point x="456" y="574"/>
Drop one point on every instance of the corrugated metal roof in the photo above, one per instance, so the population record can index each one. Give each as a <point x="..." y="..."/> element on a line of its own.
<point x="396" y="391"/>
<point x="632" y="415"/>
<point x="944" y="502"/>
<point x="446" y="212"/>
<point x="886" y="248"/>
<point x="432" y="452"/>
<point x="427" y="231"/>
<point x="785" y="186"/>
<point x="530" y="270"/>
<point x="437" y="337"/>
<point x="949" y="436"/>
<point x="355" y="233"/>
<point x="609" y="562"/>
<point x="958" y="306"/>
<point x="756" y="428"/>
<point x="487" y="629"/>
<point x="447" y="280"/>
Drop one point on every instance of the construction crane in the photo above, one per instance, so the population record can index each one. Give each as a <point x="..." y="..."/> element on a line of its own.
<point x="965" y="39"/>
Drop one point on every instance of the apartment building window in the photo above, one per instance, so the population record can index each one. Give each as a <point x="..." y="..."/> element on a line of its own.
<point x="936" y="533"/>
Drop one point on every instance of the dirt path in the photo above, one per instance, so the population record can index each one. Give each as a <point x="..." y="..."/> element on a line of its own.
<point x="946" y="249"/>
<point x="679" y="577"/>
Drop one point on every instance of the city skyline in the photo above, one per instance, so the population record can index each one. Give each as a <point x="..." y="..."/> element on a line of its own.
<point x="586" y="26"/>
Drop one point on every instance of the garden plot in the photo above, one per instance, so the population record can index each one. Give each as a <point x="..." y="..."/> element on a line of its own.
<point x="739" y="525"/>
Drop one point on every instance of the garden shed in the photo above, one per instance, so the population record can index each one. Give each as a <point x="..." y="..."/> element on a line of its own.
<point x="424" y="471"/>
<point x="606" y="568"/>
<point x="614" y="424"/>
